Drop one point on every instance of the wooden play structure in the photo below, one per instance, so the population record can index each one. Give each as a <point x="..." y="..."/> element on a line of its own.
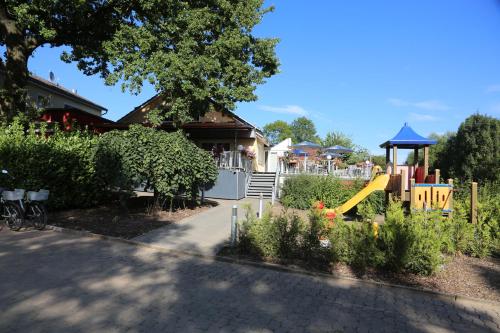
<point x="409" y="183"/>
<point x="413" y="183"/>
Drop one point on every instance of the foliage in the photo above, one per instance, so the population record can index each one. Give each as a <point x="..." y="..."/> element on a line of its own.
<point x="481" y="239"/>
<point x="360" y="154"/>
<point x="303" y="129"/>
<point x="271" y="236"/>
<point x="337" y="138"/>
<point x="168" y="163"/>
<point x="277" y="131"/>
<point x="302" y="191"/>
<point x="379" y="160"/>
<point x="193" y="52"/>
<point x="414" y="243"/>
<point x="62" y="163"/>
<point x="473" y="153"/>
<point x="434" y="151"/>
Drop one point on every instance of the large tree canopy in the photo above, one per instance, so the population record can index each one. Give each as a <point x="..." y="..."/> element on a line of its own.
<point x="303" y="129"/>
<point x="473" y="153"/>
<point x="277" y="131"/>
<point x="337" y="138"/>
<point x="195" y="53"/>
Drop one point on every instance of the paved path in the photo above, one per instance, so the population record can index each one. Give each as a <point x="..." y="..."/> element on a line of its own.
<point x="203" y="233"/>
<point x="55" y="282"/>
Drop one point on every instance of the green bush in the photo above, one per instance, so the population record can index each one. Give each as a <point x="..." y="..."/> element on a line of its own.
<point x="481" y="239"/>
<point x="415" y="243"/>
<point x="271" y="236"/>
<point x="168" y="163"/>
<point x="302" y="191"/>
<point x="81" y="169"/>
<point x="62" y="163"/>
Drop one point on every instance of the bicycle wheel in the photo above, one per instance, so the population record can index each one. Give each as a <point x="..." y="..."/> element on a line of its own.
<point x="37" y="213"/>
<point x="13" y="216"/>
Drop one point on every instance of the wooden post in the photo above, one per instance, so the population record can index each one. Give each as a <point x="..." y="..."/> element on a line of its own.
<point x="402" y="186"/>
<point x="473" y="203"/>
<point x="394" y="159"/>
<point x="426" y="161"/>
<point x="450" y="182"/>
<point x="387" y="156"/>
<point x="412" y="193"/>
<point x="415" y="157"/>
<point x="437" y="172"/>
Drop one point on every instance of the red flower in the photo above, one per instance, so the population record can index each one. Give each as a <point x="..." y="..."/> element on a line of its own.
<point x="320" y="205"/>
<point x="331" y="215"/>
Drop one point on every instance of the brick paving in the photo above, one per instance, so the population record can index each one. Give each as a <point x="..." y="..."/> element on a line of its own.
<point x="55" y="282"/>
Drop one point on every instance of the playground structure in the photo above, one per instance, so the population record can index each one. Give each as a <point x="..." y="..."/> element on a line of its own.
<point x="409" y="183"/>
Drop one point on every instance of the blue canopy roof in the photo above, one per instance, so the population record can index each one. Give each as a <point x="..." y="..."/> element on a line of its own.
<point x="299" y="152"/>
<point x="339" y="149"/>
<point x="407" y="138"/>
<point x="306" y="144"/>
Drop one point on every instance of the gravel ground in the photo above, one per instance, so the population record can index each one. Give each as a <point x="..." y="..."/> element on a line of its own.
<point x="112" y="220"/>
<point x="461" y="275"/>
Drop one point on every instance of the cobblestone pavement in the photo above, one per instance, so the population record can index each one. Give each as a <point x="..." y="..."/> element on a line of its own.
<point x="54" y="282"/>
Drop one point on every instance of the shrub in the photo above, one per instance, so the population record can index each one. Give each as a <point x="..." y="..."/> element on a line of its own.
<point x="168" y="163"/>
<point x="271" y="236"/>
<point x="62" y="163"/>
<point x="302" y="191"/>
<point x="412" y="243"/>
<point x="81" y="169"/>
<point x="394" y="238"/>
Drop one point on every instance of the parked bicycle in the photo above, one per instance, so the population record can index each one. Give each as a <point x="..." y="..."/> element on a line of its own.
<point x="20" y="208"/>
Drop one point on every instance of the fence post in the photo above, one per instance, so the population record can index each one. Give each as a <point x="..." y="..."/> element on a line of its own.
<point x="402" y="185"/>
<point x="437" y="172"/>
<point x="273" y="196"/>
<point x="234" y="225"/>
<point x="473" y="203"/>
<point x="260" y="204"/>
<point x="450" y="182"/>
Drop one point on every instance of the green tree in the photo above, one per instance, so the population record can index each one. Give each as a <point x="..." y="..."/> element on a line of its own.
<point x="303" y="129"/>
<point x="434" y="150"/>
<point x="379" y="160"/>
<point x="195" y="53"/>
<point x="277" y="131"/>
<point x="360" y="154"/>
<point x="337" y="138"/>
<point x="473" y="153"/>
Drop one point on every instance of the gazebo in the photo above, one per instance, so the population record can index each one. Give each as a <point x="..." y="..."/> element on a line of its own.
<point x="407" y="138"/>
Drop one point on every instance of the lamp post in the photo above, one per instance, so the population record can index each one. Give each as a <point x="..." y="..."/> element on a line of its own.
<point x="329" y="158"/>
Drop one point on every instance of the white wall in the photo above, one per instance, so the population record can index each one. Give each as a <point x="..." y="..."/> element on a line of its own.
<point x="58" y="100"/>
<point x="276" y="152"/>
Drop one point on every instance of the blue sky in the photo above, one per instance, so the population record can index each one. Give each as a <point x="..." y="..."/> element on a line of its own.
<point x="360" y="67"/>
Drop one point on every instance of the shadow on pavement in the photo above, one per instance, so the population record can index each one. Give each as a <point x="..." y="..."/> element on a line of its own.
<point x="61" y="283"/>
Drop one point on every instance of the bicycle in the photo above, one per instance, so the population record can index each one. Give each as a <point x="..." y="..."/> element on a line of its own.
<point x="19" y="208"/>
<point x="12" y="214"/>
<point x="34" y="209"/>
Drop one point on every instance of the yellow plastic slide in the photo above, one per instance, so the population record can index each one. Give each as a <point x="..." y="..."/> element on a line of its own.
<point x="378" y="184"/>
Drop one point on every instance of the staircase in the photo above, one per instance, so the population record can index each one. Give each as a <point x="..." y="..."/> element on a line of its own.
<point x="261" y="182"/>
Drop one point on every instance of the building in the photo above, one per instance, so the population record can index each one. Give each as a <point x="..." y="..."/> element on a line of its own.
<point x="236" y="143"/>
<point x="62" y="105"/>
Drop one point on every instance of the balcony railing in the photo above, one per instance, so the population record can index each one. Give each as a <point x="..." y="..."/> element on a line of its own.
<point x="351" y="172"/>
<point x="233" y="160"/>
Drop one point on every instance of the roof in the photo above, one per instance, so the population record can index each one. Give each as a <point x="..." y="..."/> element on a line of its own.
<point x="195" y="124"/>
<point x="64" y="91"/>
<point x="408" y="138"/>
<point x="76" y="110"/>
<point x="306" y="144"/>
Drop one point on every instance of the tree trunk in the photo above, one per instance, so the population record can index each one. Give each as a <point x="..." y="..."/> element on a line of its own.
<point x="15" y="69"/>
